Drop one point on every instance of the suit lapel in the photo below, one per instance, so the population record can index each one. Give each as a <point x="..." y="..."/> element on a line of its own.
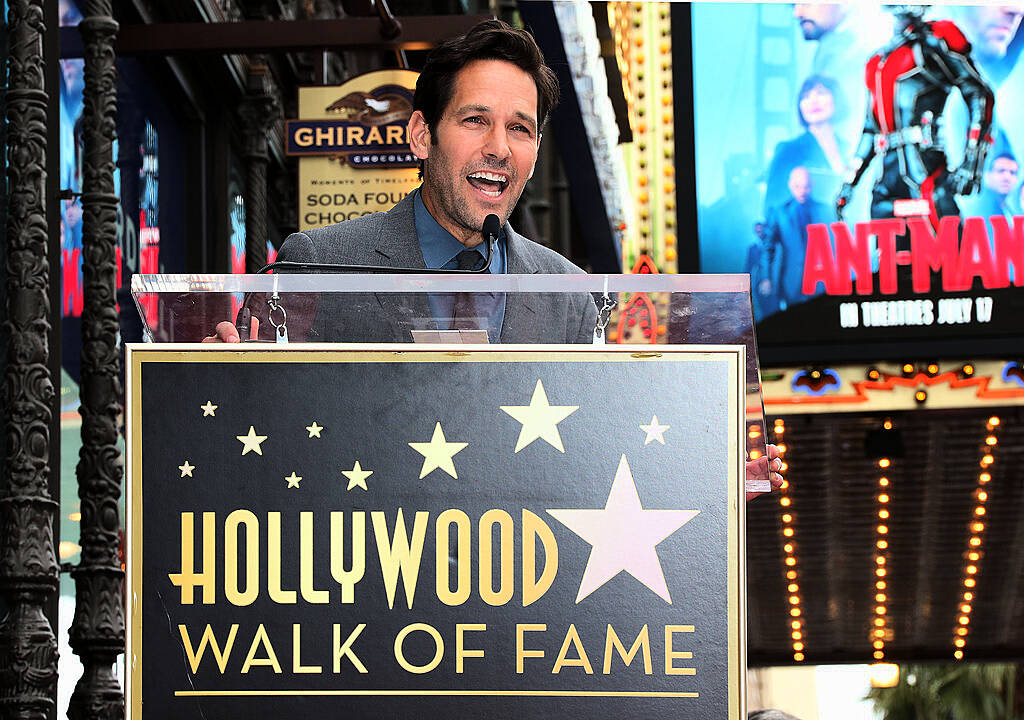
<point x="520" y="308"/>
<point x="397" y="245"/>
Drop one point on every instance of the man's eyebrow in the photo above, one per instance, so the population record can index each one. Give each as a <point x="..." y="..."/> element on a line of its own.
<point x="528" y="119"/>
<point x="472" y="108"/>
<point x="524" y="117"/>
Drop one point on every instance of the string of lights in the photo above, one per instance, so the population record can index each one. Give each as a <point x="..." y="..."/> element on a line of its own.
<point x="975" y="540"/>
<point x="643" y="47"/>
<point x="879" y="632"/>
<point x="790" y="564"/>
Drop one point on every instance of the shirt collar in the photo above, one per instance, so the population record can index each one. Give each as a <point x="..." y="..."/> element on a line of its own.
<point x="440" y="247"/>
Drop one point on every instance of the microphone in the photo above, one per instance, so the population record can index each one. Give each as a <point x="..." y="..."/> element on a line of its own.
<point x="490" y="231"/>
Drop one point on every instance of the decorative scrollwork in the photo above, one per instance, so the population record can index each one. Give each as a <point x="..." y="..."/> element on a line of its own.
<point x="97" y="632"/>
<point x="28" y="563"/>
<point x="259" y="111"/>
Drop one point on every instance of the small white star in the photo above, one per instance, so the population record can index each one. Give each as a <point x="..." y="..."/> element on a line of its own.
<point x="208" y="409"/>
<point x="357" y="476"/>
<point x="293" y="480"/>
<point x="251" y="441"/>
<point x="186" y="469"/>
<point x="438" y="453"/>
<point x="314" y="429"/>
<point x="654" y="431"/>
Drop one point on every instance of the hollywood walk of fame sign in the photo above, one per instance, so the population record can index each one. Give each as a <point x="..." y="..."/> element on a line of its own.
<point x="421" y="533"/>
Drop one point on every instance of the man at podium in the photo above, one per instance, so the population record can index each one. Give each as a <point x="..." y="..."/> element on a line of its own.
<point x="480" y="105"/>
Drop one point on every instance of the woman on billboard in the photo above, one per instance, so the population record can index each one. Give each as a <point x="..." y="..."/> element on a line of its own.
<point x="819" y="106"/>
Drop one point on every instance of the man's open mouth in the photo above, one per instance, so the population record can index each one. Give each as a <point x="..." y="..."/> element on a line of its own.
<point x="491" y="184"/>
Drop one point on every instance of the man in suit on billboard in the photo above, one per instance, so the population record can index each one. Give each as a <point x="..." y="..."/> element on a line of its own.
<point x="786" y="239"/>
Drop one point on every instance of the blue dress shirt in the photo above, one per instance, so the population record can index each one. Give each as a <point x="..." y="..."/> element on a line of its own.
<point x="440" y="249"/>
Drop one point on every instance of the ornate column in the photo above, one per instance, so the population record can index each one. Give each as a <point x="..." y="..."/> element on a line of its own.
<point x="97" y="632"/>
<point x="28" y="564"/>
<point x="259" y="111"/>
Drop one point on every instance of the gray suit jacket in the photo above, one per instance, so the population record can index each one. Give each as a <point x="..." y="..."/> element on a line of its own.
<point x="389" y="239"/>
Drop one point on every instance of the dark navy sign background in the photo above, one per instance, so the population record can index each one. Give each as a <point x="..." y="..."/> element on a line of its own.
<point x="576" y="504"/>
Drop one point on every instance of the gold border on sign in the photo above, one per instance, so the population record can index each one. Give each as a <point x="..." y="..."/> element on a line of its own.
<point x="139" y="354"/>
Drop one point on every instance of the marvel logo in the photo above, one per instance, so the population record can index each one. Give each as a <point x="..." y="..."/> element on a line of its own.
<point x="911" y="208"/>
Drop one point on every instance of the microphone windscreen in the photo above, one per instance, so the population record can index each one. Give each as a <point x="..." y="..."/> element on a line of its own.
<point x="492" y="226"/>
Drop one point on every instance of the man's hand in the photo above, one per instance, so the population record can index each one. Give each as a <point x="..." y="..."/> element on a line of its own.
<point x="769" y="467"/>
<point x="226" y="332"/>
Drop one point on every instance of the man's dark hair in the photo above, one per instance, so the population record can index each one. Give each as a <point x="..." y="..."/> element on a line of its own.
<point x="490" y="40"/>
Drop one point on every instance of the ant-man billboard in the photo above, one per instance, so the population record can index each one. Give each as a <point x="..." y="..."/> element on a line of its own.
<point x="863" y="167"/>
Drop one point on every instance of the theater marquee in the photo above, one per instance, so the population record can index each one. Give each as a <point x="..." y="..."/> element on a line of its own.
<point x="423" y="533"/>
<point x="353" y="147"/>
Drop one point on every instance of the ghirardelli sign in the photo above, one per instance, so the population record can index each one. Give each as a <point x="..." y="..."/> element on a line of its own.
<point x="363" y="129"/>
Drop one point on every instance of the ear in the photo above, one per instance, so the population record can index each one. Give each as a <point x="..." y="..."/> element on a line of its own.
<point x="419" y="135"/>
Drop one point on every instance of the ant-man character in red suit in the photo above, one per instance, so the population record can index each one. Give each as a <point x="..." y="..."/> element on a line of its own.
<point x="909" y="81"/>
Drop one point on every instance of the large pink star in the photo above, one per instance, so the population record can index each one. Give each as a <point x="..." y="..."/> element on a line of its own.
<point x="623" y="536"/>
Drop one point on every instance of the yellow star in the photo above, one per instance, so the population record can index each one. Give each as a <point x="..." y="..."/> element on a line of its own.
<point x="438" y="453"/>
<point x="293" y="480"/>
<point x="357" y="476"/>
<point x="186" y="469"/>
<point x="314" y="429"/>
<point x="539" y="419"/>
<point x="251" y="441"/>
<point x="208" y="409"/>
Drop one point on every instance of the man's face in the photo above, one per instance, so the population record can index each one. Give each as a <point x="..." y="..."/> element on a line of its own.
<point x="484" y="148"/>
<point x="990" y="28"/>
<point x="800" y="184"/>
<point x="818" y="19"/>
<point x="1002" y="176"/>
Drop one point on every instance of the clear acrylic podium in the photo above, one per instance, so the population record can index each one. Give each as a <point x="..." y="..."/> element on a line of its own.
<point x="642" y="311"/>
